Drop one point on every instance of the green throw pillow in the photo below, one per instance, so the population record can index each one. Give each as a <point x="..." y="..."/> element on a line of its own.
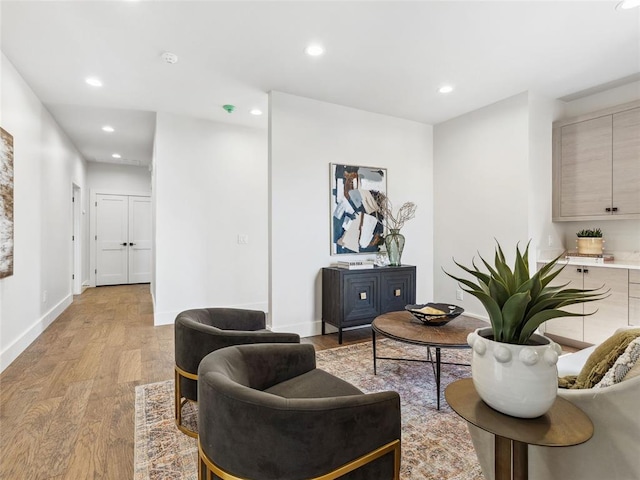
<point x="603" y="357"/>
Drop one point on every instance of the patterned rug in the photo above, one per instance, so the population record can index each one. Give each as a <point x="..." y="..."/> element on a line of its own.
<point x="435" y="444"/>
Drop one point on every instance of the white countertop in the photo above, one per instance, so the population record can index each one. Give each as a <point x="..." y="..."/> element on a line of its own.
<point x="630" y="264"/>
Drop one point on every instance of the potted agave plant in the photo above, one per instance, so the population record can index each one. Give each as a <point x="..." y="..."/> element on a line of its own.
<point x="513" y="368"/>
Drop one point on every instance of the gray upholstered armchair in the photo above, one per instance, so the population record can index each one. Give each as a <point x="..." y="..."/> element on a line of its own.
<point x="266" y="412"/>
<point x="200" y="331"/>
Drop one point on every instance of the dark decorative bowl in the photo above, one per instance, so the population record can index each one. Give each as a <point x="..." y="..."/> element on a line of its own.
<point x="435" y="320"/>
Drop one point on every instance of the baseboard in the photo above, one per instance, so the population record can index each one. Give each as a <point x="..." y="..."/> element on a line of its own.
<point x="312" y="329"/>
<point x="168" y="318"/>
<point x="479" y="317"/>
<point x="303" y="329"/>
<point x="9" y="354"/>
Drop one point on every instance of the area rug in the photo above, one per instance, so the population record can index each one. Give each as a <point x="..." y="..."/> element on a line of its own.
<point x="435" y="443"/>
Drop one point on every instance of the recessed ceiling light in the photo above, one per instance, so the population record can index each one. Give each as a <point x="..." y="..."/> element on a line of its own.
<point x="116" y="155"/>
<point x="627" y="4"/>
<point x="108" y="128"/>
<point x="255" y="111"/>
<point x="445" y="89"/>
<point x="93" y="81"/>
<point x="314" y="50"/>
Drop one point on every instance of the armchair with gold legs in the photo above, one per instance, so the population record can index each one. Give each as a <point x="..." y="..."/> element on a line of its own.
<point x="199" y="332"/>
<point x="267" y="413"/>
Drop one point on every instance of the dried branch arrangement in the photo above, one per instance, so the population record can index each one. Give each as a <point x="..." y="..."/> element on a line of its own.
<point x="395" y="222"/>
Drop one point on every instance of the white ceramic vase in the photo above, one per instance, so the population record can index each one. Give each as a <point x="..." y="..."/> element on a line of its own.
<point x="519" y="380"/>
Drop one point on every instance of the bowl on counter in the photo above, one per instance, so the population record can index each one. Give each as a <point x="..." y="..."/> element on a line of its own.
<point x="434" y="314"/>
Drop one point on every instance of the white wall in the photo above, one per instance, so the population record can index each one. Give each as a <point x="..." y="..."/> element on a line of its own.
<point x="498" y="161"/>
<point x="481" y="190"/>
<point x="544" y="234"/>
<point x="305" y="137"/>
<point x="597" y="101"/>
<point x="46" y="165"/>
<point x="113" y="179"/>
<point x="210" y="184"/>
<point x="118" y="179"/>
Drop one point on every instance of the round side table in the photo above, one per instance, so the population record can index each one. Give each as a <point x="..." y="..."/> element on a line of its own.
<point x="562" y="426"/>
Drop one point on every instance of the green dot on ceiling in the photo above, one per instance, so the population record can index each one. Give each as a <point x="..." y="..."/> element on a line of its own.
<point x="229" y="108"/>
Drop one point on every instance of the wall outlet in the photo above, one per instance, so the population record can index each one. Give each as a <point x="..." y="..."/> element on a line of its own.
<point x="243" y="239"/>
<point x="459" y="294"/>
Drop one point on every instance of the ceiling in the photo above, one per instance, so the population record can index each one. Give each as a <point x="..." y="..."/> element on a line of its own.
<point x="384" y="57"/>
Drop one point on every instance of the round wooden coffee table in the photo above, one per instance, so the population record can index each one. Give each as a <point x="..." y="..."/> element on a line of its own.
<point x="404" y="327"/>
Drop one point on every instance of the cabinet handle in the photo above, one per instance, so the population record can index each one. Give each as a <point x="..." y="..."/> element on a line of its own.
<point x="614" y="209"/>
<point x="579" y="270"/>
<point x="363" y="295"/>
<point x="124" y="244"/>
<point x="607" y="209"/>
<point x="397" y="292"/>
<point x="586" y="270"/>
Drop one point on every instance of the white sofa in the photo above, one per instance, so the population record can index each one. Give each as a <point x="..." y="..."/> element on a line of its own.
<point x="613" y="453"/>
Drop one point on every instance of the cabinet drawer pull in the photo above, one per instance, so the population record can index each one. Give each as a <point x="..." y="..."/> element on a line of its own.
<point x="363" y="295"/>
<point x="579" y="270"/>
<point x="607" y="209"/>
<point x="586" y="270"/>
<point x="614" y="209"/>
<point x="397" y="292"/>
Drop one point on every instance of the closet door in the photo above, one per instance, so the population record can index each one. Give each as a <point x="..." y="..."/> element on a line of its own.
<point x="123" y="239"/>
<point x="112" y="225"/>
<point x="139" y="240"/>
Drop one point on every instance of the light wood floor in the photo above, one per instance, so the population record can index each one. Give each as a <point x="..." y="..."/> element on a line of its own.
<point x="67" y="402"/>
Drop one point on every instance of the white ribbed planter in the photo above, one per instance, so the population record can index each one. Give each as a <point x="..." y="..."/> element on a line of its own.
<point x="519" y="380"/>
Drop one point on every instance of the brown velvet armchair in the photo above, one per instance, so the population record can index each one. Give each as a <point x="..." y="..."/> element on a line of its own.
<point x="266" y="412"/>
<point x="201" y="331"/>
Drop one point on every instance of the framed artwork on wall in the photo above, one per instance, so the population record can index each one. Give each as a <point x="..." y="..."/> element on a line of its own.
<point x="6" y="204"/>
<point x="356" y="222"/>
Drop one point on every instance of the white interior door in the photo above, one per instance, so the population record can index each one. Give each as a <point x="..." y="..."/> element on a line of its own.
<point x="123" y="231"/>
<point x="139" y="239"/>
<point x="112" y="225"/>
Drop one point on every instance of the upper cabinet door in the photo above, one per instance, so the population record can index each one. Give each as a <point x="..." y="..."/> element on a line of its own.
<point x="626" y="162"/>
<point x="586" y="167"/>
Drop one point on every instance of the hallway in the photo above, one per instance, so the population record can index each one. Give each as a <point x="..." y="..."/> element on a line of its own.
<point x="67" y="402"/>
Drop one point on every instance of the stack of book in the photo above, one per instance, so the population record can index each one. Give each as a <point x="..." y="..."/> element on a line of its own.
<point x="357" y="265"/>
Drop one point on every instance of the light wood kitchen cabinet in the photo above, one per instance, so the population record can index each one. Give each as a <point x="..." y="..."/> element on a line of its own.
<point x="568" y="327"/>
<point x="585" y="169"/>
<point x="634" y="297"/>
<point x="626" y="161"/>
<point x="596" y="165"/>
<point x="611" y="312"/>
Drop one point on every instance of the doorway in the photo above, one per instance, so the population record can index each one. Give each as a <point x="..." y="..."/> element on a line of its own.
<point x="123" y="239"/>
